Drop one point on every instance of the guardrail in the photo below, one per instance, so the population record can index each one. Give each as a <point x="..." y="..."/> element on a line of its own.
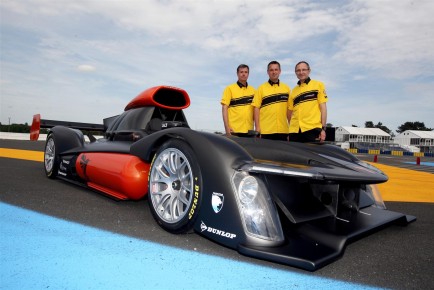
<point x="388" y="152"/>
<point x="20" y="136"/>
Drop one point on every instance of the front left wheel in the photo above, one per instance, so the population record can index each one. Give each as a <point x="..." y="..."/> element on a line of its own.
<point x="175" y="187"/>
<point x="51" y="159"/>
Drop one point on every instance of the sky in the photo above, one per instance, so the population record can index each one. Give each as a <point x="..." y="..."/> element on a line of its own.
<point x="84" y="60"/>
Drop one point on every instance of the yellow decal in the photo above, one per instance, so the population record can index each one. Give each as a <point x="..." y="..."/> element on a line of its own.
<point x="195" y="200"/>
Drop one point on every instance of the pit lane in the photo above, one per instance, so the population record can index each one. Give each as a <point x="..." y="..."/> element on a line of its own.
<point x="396" y="257"/>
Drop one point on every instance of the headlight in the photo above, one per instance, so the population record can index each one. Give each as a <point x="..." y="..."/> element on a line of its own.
<point x="373" y="191"/>
<point x="258" y="213"/>
<point x="248" y="189"/>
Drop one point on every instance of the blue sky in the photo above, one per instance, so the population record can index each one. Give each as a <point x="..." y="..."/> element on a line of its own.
<point x="84" y="60"/>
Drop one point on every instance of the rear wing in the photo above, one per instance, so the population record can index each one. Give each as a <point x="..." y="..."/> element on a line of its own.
<point x="39" y="123"/>
<point x="163" y="97"/>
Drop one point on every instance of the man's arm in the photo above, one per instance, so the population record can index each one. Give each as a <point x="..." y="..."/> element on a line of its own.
<point x="228" y="129"/>
<point x="256" y="118"/>
<point x="323" y="109"/>
<point x="289" y="115"/>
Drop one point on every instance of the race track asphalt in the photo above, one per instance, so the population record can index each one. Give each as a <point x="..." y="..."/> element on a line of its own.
<point x="393" y="258"/>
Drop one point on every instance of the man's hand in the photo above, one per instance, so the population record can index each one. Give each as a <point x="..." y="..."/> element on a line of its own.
<point x="322" y="136"/>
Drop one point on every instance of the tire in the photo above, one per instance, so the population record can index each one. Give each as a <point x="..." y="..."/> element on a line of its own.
<point x="51" y="159"/>
<point x="175" y="187"/>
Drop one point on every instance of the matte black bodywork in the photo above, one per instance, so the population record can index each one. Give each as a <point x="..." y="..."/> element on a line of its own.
<point x="321" y="193"/>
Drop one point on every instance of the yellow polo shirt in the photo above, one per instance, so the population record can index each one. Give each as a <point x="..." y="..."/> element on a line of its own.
<point x="240" y="112"/>
<point x="272" y="100"/>
<point x="304" y="103"/>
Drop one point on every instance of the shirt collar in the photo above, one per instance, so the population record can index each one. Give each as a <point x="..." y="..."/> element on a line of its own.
<point x="241" y="85"/>
<point x="306" y="81"/>
<point x="274" y="83"/>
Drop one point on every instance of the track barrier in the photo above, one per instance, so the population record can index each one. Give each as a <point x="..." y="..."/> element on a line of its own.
<point x="388" y="152"/>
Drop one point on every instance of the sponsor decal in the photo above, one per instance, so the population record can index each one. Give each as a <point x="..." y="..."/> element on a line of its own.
<point x="204" y="228"/>
<point x="283" y="97"/>
<point x="195" y="200"/>
<point x="217" y="200"/>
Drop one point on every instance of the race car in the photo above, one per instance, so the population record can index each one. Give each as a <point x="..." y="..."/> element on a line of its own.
<point x="291" y="203"/>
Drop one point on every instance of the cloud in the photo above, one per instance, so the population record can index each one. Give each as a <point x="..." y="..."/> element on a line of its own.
<point x="393" y="38"/>
<point x="366" y="53"/>
<point x="86" y="68"/>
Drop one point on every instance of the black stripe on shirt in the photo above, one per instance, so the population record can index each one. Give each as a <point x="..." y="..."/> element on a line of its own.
<point x="272" y="99"/>
<point x="246" y="100"/>
<point x="306" y="97"/>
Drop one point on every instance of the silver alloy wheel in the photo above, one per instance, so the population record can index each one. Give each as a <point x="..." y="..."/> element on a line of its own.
<point x="50" y="154"/>
<point x="171" y="185"/>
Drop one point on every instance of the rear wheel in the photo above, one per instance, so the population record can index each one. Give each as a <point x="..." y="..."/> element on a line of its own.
<point x="51" y="159"/>
<point x="175" y="187"/>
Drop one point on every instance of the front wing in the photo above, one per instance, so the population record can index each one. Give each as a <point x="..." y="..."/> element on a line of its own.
<point x="313" y="245"/>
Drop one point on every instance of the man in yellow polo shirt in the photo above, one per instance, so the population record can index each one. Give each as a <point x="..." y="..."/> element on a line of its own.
<point x="271" y="103"/>
<point x="236" y="105"/>
<point x="307" y="110"/>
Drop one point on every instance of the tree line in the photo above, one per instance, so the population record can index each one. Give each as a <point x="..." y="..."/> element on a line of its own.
<point x="17" y="128"/>
<point x="417" y="126"/>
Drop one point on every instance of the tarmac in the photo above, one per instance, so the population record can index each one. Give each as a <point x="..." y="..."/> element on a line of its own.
<point x="57" y="235"/>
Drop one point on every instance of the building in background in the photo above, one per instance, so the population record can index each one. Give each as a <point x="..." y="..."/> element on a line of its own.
<point x="416" y="141"/>
<point x="363" y="138"/>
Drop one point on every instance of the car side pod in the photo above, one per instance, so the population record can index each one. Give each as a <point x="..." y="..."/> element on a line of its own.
<point x="123" y="176"/>
<point x="311" y="246"/>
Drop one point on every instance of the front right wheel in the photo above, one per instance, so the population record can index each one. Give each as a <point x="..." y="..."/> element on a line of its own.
<point x="175" y="187"/>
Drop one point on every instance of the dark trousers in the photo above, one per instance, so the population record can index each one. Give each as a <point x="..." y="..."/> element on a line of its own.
<point x="276" y="136"/>
<point x="304" y="137"/>
<point x="242" y="134"/>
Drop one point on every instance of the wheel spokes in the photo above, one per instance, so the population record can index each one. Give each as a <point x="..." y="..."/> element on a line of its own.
<point x="49" y="155"/>
<point x="171" y="185"/>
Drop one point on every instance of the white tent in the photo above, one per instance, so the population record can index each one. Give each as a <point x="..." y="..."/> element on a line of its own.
<point x="424" y="140"/>
<point x="356" y="134"/>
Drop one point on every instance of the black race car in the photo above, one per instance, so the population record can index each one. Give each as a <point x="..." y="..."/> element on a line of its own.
<point x="291" y="203"/>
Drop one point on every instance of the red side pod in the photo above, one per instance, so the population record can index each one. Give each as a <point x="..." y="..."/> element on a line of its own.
<point x="36" y="126"/>
<point x="163" y="97"/>
<point x="122" y="176"/>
